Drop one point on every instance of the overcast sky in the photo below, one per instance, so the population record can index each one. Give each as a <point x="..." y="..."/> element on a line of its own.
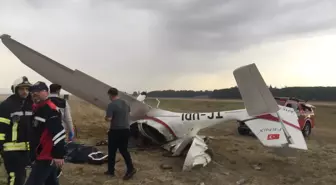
<point x="176" y="44"/>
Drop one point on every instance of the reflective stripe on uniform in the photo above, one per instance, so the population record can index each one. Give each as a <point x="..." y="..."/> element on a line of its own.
<point x="21" y="113"/>
<point x="40" y="119"/>
<point x="12" y="146"/>
<point x="2" y="137"/>
<point x="14" y="131"/>
<point x="11" y="178"/>
<point x="58" y="137"/>
<point x="18" y="113"/>
<point x="5" y="120"/>
<point x="28" y="113"/>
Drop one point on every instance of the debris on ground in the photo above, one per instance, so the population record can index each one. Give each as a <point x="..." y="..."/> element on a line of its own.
<point x="226" y="173"/>
<point x="241" y="181"/>
<point x="166" y="166"/>
<point x="257" y="166"/>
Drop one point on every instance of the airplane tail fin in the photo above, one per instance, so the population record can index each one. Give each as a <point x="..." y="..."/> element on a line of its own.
<point x="256" y="96"/>
<point x="273" y="126"/>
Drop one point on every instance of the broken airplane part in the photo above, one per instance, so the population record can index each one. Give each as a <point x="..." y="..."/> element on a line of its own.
<point x="274" y="125"/>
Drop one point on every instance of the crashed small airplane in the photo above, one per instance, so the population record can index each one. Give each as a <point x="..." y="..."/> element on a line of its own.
<point x="274" y="125"/>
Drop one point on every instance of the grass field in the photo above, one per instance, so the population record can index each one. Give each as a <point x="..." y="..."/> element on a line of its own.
<point x="234" y="155"/>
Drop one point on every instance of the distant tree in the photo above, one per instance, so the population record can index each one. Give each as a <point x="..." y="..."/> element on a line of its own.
<point x="306" y="93"/>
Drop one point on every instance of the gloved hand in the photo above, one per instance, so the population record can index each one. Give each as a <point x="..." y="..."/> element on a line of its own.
<point x="71" y="135"/>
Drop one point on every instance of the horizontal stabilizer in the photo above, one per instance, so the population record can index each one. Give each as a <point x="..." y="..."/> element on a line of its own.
<point x="269" y="133"/>
<point x="273" y="132"/>
<point x="290" y="119"/>
<point x="256" y="96"/>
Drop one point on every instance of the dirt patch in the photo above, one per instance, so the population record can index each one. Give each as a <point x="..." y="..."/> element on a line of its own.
<point x="236" y="158"/>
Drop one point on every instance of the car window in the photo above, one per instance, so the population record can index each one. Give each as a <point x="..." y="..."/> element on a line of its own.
<point x="281" y="102"/>
<point x="305" y="108"/>
<point x="293" y="105"/>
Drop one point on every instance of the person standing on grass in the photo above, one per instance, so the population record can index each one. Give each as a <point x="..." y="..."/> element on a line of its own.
<point x="117" y="114"/>
<point x="47" y="139"/>
<point x="64" y="107"/>
<point x="15" y="115"/>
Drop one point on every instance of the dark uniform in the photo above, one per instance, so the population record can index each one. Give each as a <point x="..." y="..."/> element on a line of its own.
<point x="15" y="116"/>
<point x="59" y="102"/>
<point x="49" y="141"/>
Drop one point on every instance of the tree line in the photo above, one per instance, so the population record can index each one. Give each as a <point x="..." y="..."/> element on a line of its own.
<point x="305" y="93"/>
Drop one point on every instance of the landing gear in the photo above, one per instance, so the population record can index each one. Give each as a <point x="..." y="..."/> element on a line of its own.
<point x="243" y="129"/>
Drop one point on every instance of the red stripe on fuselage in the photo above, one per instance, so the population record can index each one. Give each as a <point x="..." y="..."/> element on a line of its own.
<point x="273" y="118"/>
<point x="162" y="123"/>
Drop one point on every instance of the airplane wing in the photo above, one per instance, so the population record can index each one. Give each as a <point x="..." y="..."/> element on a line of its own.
<point x="74" y="81"/>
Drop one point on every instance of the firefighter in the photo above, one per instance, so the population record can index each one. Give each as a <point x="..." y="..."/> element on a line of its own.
<point x="15" y="119"/>
<point x="48" y="138"/>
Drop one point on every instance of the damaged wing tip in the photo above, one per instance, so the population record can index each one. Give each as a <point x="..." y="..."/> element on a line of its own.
<point x="4" y="36"/>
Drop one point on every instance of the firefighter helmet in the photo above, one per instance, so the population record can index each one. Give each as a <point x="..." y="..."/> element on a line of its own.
<point x="20" y="82"/>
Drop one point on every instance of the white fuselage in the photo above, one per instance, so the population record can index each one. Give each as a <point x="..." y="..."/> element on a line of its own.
<point x="178" y="130"/>
<point x="175" y="125"/>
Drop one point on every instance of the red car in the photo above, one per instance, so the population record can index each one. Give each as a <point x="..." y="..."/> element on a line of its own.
<point x="304" y="111"/>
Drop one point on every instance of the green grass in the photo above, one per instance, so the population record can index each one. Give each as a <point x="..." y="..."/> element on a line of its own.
<point x="234" y="155"/>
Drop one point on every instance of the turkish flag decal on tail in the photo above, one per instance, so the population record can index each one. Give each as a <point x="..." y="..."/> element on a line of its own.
<point x="273" y="136"/>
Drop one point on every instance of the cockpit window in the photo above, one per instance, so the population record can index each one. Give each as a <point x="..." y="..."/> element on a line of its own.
<point x="305" y="108"/>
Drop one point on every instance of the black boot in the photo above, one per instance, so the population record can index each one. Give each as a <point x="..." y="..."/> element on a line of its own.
<point x="111" y="174"/>
<point x="129" y="174"/>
